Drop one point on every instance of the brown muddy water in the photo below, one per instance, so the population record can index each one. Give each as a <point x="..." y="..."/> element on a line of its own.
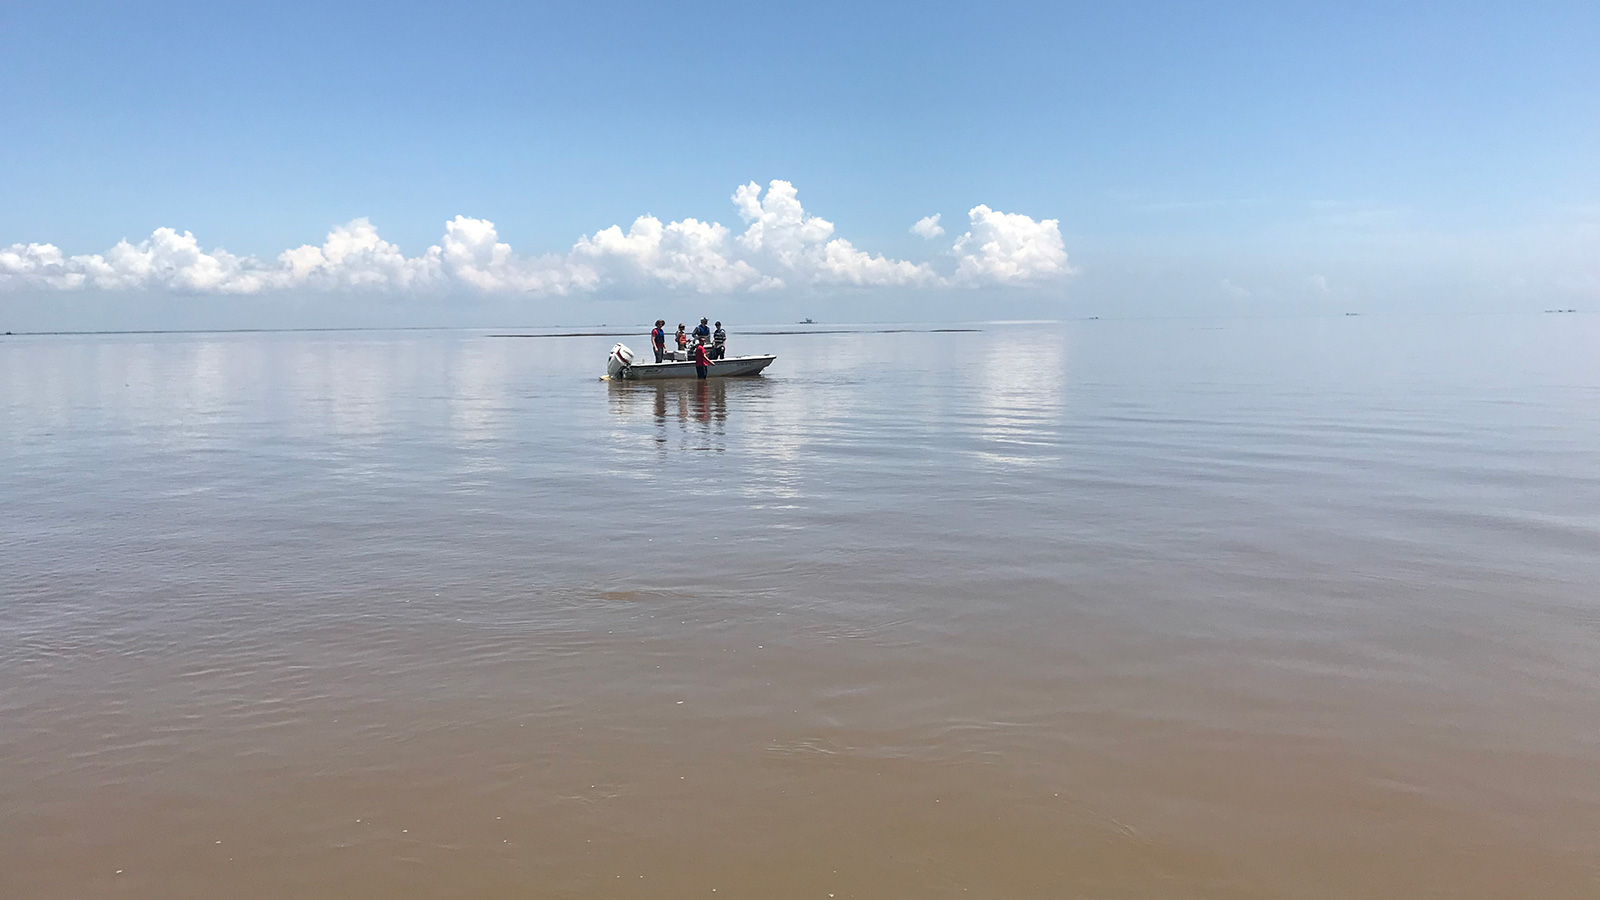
<point x="1184" y="609"/>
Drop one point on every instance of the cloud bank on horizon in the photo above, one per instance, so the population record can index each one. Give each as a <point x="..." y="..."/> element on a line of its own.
<point x="780" y="247"/>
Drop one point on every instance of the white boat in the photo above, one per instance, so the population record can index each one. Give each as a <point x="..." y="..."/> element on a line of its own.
<point x="621" y="364"/>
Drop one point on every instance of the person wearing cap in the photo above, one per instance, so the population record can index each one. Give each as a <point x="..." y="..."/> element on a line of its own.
<point x="719" y="342"/>
<point x="702" y="332"/>
<point x="683" y="342"/>
<point x="658" y="339"/>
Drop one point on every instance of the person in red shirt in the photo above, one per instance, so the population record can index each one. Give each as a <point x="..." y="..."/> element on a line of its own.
<point x="702" y="361"/>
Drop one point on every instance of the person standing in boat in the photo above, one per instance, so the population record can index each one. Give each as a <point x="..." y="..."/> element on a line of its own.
<point x="683" y="341"/>
<point x="702" y="360"/>
<point x="719" y="342"/>
<point x="658" y="339"/>
<point x="702" y="332"/>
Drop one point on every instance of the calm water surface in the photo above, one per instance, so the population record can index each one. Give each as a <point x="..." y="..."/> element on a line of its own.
<point x="1192" y="609"/>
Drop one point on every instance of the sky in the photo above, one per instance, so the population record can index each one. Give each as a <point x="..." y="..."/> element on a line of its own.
<point x="172" y="165"/>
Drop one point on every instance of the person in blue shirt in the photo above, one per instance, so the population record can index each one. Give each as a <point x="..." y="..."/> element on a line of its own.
<point x="702" y="333"/>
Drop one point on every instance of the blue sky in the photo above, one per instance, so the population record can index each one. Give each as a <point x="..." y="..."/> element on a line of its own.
<point x="1237" y="157"/>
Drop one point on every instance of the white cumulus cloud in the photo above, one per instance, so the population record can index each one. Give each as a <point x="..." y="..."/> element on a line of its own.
<point x="928" y="227"/>
<point x="800" y="249"/>
<point x="690" y="255"/>
<point x="354" y="256"/>
<point x="167" y="259"/>
<point x="1233" y="290"/>
<point x="780" y="246"/>
<point x="1009" y="248"/>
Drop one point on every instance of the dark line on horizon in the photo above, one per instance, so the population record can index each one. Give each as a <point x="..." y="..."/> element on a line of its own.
<point x="242" y="330"/>
<point x="566" y="334"/>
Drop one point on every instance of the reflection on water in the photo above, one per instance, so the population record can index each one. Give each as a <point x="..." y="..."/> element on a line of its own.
<point x="688" y="411"/>
<point x="1248" y="610"/>
<point x="702" y="401"/>
<point x="754" y="417"/>
<point x="1023" y="383"/>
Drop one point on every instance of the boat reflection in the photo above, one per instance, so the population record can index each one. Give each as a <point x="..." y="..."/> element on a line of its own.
<point x="686" y="408"/>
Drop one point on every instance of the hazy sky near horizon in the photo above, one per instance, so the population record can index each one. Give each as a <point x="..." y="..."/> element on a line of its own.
<point x="169" y="164"/>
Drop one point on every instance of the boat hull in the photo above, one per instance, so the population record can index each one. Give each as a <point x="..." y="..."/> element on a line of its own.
<point x="725" y="368"/>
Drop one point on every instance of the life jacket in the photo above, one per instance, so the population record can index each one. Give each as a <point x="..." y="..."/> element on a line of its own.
<point x="658" y="337"/>
<point x="719" y="336"/>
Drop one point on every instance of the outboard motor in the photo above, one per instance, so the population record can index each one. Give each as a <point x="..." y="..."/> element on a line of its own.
<point x="619" y="361"/>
